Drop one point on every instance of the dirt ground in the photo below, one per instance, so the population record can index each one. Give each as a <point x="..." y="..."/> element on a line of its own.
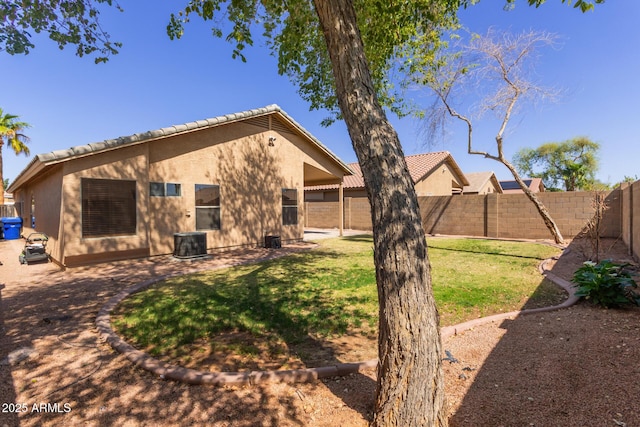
<point x="573" y="367"/>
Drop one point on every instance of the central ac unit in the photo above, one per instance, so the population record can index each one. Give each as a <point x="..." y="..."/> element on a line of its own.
<point x="189" y="245"/>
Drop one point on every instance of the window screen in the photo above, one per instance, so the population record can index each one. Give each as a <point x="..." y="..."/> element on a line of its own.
<point x="289" y="206"/>
<point x="108" y="207"/>
<point x="207" y="207"/>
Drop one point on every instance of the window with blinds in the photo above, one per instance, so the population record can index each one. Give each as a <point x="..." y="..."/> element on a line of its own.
<point x="108" y="207"/>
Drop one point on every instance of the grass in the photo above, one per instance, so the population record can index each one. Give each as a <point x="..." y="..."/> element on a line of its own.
<point x="325" y="293"/>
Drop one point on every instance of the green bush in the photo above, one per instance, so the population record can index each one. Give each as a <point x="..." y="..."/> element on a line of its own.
<point x="606" y="283"/>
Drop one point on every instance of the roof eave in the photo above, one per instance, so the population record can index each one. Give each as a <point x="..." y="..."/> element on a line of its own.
<point x="454" y="165"/>
<point x="314" y="140"/>
<point x="35" y="166"/>
<point x="58" y="156"/>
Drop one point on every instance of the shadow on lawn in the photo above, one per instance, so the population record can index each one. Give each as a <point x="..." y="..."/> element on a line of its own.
<point x="264" y="315"/>
<point x="482" y="252"/>
<point x="368" y="238"/>
<point x="547" y="370"/>
<point x="54" y="313"/>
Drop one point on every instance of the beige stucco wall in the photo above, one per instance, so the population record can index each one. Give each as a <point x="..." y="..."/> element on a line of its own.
<point x="238" y="157"/>
<point x="128" y="163"/>
<point x="438" y="182"/>
<point x="488" y="188"/>
<point x="47" y="199"/>
<point x="251" y="175"/>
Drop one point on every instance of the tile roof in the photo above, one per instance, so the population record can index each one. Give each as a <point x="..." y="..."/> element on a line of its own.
<point x="477" y="180"/>
<point x="419" y="166"/>
<point x="422" y="164"/>
<point x="110" y="144"/>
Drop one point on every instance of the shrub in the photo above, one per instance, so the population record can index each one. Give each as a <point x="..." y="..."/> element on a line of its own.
<point x="606" y="283"/>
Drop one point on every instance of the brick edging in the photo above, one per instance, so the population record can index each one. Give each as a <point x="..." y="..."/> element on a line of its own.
<point x="191" y="376"/>
<point x="448" y="331"/>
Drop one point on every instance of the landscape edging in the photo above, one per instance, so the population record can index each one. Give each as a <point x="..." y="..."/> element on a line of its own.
<point x="191" y="376"/>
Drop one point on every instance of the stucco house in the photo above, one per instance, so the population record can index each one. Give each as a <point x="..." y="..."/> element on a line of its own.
<point x="237" y="178"/>
<point x="482" y="183"/>
<point x="434" y="174"/>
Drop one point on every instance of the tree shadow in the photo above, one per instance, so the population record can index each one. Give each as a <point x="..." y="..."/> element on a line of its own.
<point x="359" y="238"/>
<point x="548" y="368"/>
<point x="484" y="252"/>
<point x="54" y="311"/>
<point x="274" y="329"/>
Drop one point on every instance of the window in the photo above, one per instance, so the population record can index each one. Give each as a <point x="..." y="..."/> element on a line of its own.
<point x="173" y="190"/>
<point x="108" y="207"/>
<point x="156" y="189"/>
<point x="207" y="207"/>
<point x="289" y="206"/>
<point x="161" y="189"/>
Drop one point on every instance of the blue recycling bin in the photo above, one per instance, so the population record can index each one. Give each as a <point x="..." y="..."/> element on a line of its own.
<point x="11" y="227"/>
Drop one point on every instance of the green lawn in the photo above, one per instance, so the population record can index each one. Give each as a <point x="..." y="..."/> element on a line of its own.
<point x="327" y="292"/>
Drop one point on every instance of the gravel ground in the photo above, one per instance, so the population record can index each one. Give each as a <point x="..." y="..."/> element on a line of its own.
<point x="572" y="367"/>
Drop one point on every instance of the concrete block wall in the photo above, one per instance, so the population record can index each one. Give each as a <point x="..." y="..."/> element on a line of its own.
<point x="634" y="213"/>
<point x="322" y="215"/>
<point x="631" y="217"/>
<point x="454" y="215"/>
<point x="519" y="218"/>
<point x="491" y="215"/>
<point x="359" y="214"/>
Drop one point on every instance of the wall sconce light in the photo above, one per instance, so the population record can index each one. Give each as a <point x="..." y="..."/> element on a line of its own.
<point x="272" y="141"/>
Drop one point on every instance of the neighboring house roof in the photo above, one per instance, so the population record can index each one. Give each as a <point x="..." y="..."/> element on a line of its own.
<point x="8" y="198"/>
<point x="41" y="160"/>
<point x="419" y="165"/>
<point x="479" y="180"/>
<point x="510" y="187"/>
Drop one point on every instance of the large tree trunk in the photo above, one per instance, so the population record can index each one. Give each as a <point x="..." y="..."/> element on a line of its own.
<point x="410" y="388"/>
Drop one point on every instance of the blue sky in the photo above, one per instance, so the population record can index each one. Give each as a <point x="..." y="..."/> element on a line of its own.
<point x="155" y="82"/>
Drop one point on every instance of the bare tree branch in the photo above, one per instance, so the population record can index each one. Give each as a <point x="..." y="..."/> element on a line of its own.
<point x="499" y="66"/>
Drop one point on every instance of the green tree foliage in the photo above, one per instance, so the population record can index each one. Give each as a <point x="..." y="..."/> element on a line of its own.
<point x="11" y="134"/>
<point x="291" y="28"/>
<point x="67" y="22"/>
<point x="571" y="164"/>
<point x="583" y="5"/>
